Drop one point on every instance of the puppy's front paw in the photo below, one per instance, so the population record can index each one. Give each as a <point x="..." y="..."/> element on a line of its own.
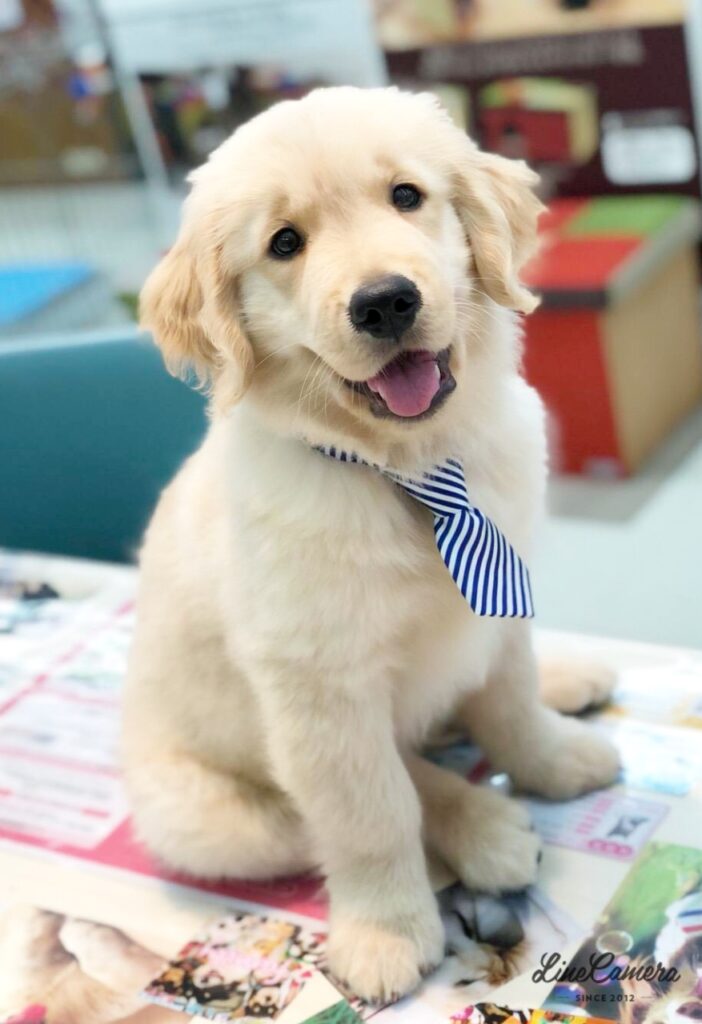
<point x="573" y="759"/>
<point x="570" y="685"/>
<point x="380" y="961"/>
<point x="489" y="842"/>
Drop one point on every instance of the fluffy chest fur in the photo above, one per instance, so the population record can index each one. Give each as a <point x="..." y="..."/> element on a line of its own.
<point x="334" y="565"/>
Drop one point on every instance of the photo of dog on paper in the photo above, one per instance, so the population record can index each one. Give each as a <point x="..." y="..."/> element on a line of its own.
<point x="642" y="962"/>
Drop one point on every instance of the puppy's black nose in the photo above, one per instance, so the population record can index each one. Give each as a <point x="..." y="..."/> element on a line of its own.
<point x="386" y="307"/>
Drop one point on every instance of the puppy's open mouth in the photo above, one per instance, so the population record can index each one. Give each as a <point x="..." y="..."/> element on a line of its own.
<point x="411" y="386"/>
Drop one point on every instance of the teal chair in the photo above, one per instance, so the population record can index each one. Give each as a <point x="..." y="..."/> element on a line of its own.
<point x="90" y="431"/>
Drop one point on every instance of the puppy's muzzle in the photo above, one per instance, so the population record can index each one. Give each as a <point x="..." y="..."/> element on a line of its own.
<point x="385" y="307"/>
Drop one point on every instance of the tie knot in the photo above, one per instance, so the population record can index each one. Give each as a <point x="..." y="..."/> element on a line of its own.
<point x="443" y="490"/>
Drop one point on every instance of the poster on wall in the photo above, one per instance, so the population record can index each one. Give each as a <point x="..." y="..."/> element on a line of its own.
<point x="404" y="24"/>
<point x="594" y="111"/>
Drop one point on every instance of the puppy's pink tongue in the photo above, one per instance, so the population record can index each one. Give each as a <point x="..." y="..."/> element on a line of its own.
<point x="408" y="384"/>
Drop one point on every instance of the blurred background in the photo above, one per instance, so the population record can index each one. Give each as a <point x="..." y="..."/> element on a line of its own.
<point x="105" y="105"/>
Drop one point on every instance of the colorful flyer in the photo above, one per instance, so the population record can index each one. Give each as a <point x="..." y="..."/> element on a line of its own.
<point x="491" y="1013"/>
<point x="242" y="967"/>
<point x="643" y="958"/>
<point x="640" y="695"/>
<point x="65" y="629"/>
<point x="658" y="758"/>
<point x="608" y="823"/>
<point x="338" y="1013"/>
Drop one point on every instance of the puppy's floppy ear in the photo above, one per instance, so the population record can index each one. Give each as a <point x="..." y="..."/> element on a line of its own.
<point x="499" y="212"/>
<point x="170" y="305"/>
<point x="191" y="311"/>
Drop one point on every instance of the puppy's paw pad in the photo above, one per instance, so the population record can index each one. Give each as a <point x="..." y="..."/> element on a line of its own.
<point x="381" y="962"/>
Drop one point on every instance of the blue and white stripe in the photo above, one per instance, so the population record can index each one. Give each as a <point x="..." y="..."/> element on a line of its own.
<point x="484" y="565"/>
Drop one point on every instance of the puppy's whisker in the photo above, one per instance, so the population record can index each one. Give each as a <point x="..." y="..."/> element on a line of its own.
<point x="321" y="375"/>
<point x="302" y="391"/>
<point x="275" y="352"/>
<point x="316" y="380"/>
<point x="327" y="396"/>
<point x="492" y="316"/>
<point x="310" y="370"/>
<point x="322" y="384"/>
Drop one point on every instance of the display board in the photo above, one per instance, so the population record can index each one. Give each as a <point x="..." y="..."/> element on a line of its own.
<point x="594" y="111"/>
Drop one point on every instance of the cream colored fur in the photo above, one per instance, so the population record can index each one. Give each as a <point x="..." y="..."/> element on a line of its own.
<point x="298" y="634"/>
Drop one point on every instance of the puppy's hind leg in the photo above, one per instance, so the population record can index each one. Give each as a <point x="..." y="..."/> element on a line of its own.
<point x="543" y="752"/>
<point x="213" y="824"/>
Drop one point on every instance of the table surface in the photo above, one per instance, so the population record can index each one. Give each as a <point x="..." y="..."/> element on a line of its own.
<point x="666" y="682"/>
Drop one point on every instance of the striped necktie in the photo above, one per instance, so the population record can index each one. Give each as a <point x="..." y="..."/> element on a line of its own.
<point x="483" y="564"/>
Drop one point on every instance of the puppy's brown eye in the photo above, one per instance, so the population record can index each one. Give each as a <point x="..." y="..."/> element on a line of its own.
<point x="406" y="197"/>
<point x="285" y="243"/>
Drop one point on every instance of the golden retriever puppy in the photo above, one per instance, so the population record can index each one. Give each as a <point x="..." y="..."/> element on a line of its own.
<point x="345" y="275"/>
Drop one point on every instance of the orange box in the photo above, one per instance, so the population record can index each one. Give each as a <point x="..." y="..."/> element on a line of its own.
<point x="615" y="349"/>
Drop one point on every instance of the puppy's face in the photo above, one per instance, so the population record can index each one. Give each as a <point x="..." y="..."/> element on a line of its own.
<point x="337" y="262"/>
